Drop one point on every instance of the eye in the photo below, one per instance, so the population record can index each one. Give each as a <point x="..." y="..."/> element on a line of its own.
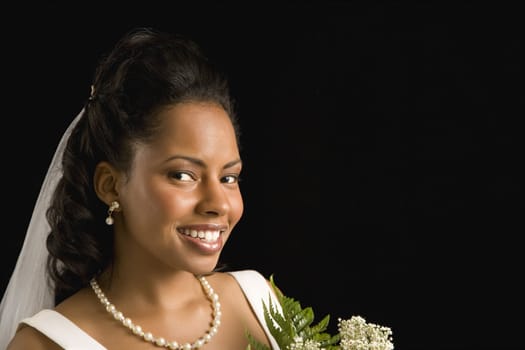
<point x="181" y="176"/>
<point x="230" y="179"/>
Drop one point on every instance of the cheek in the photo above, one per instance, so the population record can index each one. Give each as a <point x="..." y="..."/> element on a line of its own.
<point x="169" y="202"/>
<point x="153" y="202"/>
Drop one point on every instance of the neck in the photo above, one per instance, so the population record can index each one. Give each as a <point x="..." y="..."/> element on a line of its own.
<point x="152" y="290"/>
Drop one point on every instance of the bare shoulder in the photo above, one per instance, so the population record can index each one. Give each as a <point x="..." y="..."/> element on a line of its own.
<point x="227" y="281"/>
<point x="83" y="309"/>
<point x="29" y="338"/>
<point x="237" y="310"/>
<point x="229" y="287"/>
<point x="224" y="283"/>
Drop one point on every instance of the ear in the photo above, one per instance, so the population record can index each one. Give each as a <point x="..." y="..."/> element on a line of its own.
<point x="105" y="181"/>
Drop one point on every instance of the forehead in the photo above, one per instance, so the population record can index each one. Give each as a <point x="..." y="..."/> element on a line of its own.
<point x="198" y="119"/>
<point x="198" y="129"/>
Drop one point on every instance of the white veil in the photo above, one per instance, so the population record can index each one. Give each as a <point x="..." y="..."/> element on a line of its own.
<point x="28" y="290"/>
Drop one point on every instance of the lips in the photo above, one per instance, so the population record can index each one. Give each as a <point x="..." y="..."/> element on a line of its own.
<point x="205" y="239"/>
<point x="209" y="236"/>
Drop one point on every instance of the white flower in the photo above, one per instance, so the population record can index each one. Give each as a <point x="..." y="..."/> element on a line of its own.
<point x="309" y="344"/>
<point x="294" y="329"/>
<point x="357" y="334"/>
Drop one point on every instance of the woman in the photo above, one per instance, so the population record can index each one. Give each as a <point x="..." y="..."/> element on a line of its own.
<point x="148" y="196"/>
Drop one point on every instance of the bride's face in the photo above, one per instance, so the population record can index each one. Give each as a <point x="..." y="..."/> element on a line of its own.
<point x="182" y="198"/>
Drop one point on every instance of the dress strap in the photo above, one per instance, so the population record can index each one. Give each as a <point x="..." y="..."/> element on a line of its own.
<point x="62" y="331"/>
<point x="256" y="289"/>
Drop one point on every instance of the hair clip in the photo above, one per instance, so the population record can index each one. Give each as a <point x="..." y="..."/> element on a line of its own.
<point x="92" y="93"/>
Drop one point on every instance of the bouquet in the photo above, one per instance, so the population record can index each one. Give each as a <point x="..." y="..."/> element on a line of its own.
<point x="292" y="328"/>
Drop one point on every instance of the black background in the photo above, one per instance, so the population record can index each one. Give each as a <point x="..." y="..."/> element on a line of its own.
<point x="382" y="148"/>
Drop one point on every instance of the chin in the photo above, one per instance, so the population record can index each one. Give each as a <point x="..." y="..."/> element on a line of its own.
<point x="206" y="267"/>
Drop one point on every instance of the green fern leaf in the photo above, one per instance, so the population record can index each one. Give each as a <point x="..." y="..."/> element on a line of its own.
<point x="294" y="321"/>
<point x="254" y="344"/>
<point x="303" y="319"/>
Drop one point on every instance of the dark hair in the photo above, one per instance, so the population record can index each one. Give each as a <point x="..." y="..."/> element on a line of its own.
<point x="146" y="71"/>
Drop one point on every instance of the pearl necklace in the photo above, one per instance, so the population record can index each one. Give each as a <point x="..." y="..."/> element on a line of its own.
<point x="147" y="336"/>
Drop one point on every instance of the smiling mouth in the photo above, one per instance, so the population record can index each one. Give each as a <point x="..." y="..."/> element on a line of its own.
<point x="209" y="236"/>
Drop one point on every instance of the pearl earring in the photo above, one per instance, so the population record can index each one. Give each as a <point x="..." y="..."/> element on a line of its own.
<point x="112" y="207"/>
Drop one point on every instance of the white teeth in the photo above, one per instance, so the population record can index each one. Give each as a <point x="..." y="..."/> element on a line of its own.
<point x="208" y="236"/>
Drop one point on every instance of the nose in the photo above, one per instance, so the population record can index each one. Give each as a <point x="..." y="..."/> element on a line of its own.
<point x="214" y="199"/>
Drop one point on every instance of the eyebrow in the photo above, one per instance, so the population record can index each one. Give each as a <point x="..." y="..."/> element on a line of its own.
<point x="200" y="163"/>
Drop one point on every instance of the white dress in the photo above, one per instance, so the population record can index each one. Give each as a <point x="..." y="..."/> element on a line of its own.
<point x="70" y="337"/>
